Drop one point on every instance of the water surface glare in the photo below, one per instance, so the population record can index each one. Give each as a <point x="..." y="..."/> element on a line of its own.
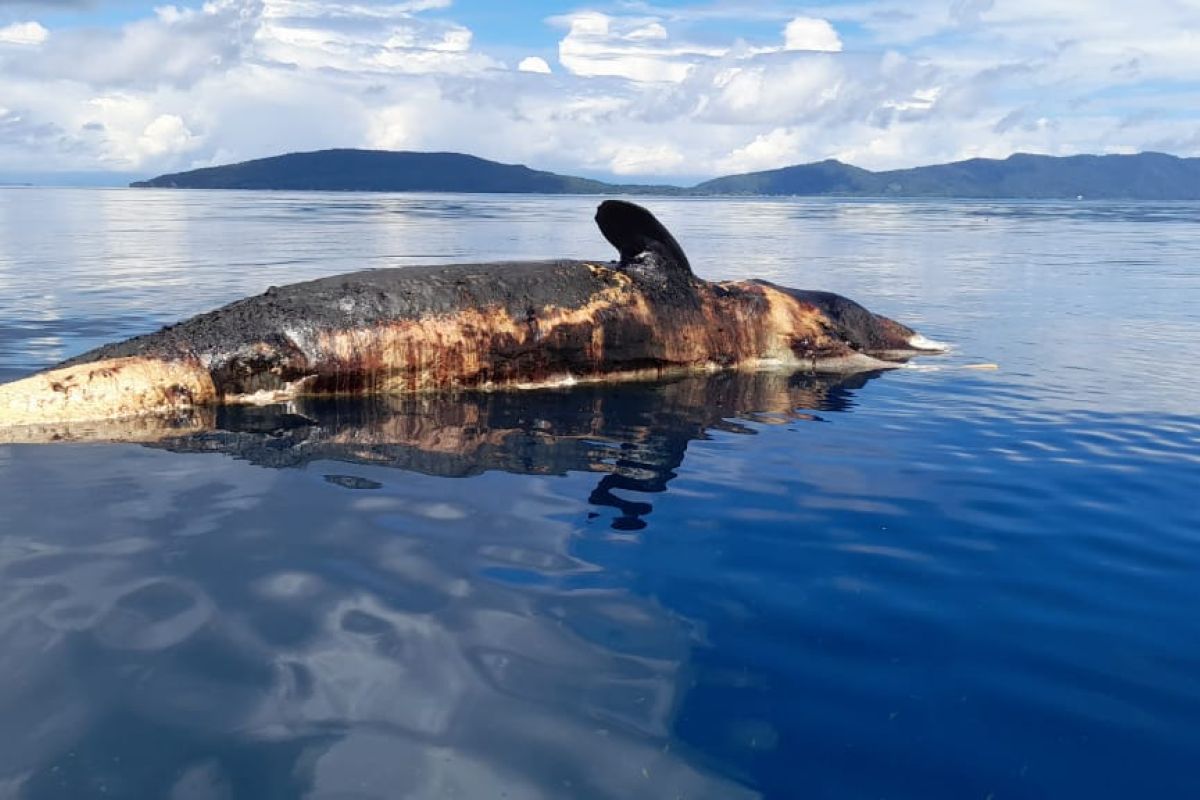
<point x="932" y="583"/>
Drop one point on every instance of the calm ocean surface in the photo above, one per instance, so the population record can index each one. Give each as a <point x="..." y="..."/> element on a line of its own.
<point x="928" y="584"/>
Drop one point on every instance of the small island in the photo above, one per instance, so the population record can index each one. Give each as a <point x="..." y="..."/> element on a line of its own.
<point x="1144" y="176"/>
<point x="347" y="170"/>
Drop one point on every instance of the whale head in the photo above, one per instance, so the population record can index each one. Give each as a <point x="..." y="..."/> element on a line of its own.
<point x="863" y="331"/>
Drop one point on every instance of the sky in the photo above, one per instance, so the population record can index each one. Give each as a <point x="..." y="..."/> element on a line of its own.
<point x="668" y="90"/>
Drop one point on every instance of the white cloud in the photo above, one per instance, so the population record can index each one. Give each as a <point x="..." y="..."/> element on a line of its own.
<point x="778" y="88"/>
<point x="23" y="33"/>
<point x="654" y="159"/>
<point x="392" y="128"/>
<point x="166" y="133"/>
<point x="650" y="32"/>
<point x="355" y="39"/>
<point x="768" y="150"/>
<point x="641" y="92"/>
<point x="132" y="133"/>
<point x="176" y="46"/>
<point x="921" y="100"/>
<point x="637" y="49"/>
<point x="534" y="64"/>
<point x="807" y="33"/>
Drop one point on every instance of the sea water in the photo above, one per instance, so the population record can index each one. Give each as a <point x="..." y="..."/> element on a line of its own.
<point x="938" y="582"/>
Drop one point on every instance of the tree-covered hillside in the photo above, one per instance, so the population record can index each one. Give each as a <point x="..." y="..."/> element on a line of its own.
<point x="1145" y="176"/>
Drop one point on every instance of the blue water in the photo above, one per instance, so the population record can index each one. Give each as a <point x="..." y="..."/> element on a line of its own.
<point x="933" y="583"/>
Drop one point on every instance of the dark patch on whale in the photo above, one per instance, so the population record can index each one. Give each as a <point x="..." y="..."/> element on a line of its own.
<point x="470" y="326"/>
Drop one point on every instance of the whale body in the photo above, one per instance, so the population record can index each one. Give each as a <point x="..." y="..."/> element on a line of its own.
<point x="470" y="326"/>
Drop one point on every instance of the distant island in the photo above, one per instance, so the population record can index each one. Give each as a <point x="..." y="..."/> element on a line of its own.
<point x="387" y="171"/>
<point x="1144" y="176"/>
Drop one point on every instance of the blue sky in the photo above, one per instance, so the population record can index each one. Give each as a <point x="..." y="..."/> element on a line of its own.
<point x="663" y="89"/>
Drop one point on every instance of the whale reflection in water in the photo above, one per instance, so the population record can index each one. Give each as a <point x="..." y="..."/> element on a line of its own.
<point x="634" y="436"/>
<point x="360" y="657"/>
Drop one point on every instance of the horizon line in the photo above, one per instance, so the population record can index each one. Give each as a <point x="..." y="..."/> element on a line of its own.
<point x="27" y="178"/>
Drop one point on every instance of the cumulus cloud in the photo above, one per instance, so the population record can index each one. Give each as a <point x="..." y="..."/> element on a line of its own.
<point x="176" y="46"/>
<point x="23" y="33"/>
<point x="766" y="151"/>
<point x="353" y="38"/>
<point x="534" y="64"/>
<point x="634" y="48"/>
<point x="166" y="133"/>
<point x="807" y="33"/>
<point x="643" y="159"/>
<point x="636" y="91"/>
<point x="126" y="130"/>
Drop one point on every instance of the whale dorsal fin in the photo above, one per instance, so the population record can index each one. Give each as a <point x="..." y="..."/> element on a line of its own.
<point x="648" y="250"/>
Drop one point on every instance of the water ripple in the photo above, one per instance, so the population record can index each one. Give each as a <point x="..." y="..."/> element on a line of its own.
<point x="934" y="583"/>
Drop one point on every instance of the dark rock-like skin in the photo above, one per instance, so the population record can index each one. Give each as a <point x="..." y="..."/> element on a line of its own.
<point x="466" y="326"/>
<point x="229" y="341"/>
<point x="265" y="342"/>
<point x="488" y="325"/>
<point x="359" y="300"/>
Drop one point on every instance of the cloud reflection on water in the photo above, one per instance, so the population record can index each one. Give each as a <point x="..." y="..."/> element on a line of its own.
<point x="358" y="642"/>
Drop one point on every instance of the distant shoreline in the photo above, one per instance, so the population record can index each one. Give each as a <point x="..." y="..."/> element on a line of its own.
<point x="1144" y="176"/>
<point x="677" y="196"/>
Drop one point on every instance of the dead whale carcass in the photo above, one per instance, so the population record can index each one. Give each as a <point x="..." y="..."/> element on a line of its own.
<point x="514" y="324"/>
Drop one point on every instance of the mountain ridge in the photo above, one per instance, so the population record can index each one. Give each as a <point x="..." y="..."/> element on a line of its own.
<point x="1141" y="176"/>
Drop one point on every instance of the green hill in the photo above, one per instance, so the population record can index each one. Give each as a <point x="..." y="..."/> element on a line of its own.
<point x="1145" y="176"/>
<point x="385" y="171"/>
